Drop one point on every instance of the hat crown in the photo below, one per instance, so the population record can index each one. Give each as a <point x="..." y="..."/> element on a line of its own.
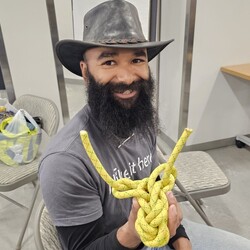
<point x="113" y="22"/>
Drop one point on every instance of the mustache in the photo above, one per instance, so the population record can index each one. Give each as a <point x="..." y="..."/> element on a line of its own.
<point x="140" y="85"/>
<point x="121" y="87"/>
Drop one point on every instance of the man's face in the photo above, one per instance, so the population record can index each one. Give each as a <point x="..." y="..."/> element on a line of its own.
<point x="117" y="66"/>
<point x="120" y="89"/>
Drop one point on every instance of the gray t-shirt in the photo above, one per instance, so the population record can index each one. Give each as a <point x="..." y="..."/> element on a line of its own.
<point x="73" y="191"/>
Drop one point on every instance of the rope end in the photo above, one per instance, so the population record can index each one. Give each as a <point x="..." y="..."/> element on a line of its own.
<point x="188" y="130"/>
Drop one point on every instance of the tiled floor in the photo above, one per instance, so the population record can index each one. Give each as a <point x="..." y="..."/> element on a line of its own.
<point x="229" y="211"/>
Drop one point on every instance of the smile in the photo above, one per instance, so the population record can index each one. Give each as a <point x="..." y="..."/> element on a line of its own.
<point x="126" y="94"/>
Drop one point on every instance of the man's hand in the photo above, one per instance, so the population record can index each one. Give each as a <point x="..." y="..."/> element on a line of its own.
<point x="174" y="220"/>
<point x="127" y="235"/>
<point x="174" y="214"/>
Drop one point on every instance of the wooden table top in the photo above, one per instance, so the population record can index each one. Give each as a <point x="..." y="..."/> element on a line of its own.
<point x="240" y="70"/>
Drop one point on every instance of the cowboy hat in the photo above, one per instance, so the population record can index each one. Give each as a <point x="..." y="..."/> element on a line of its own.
<point x="113" y="24"/>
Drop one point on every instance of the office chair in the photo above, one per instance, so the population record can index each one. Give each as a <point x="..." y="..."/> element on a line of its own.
<point x="198" y="177"/>
<point x="12" y="178"/>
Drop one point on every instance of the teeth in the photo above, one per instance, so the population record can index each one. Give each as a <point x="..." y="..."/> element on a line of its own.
<point x="127" y="92"/>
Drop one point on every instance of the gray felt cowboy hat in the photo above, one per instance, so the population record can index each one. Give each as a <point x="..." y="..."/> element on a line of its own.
<point x="113" y="24"/>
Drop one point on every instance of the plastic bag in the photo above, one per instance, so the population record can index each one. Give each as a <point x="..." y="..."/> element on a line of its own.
<point x="5" y="103"/>
<point x="14" y="126"/>
<point x="6" y="109"/>
<point x="20" y="138"/>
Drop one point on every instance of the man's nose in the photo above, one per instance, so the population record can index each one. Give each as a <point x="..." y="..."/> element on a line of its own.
<point x="125" y="75"/>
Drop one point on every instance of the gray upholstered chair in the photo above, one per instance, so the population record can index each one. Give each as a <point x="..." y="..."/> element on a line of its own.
<point x="12" y="178"/>
<point x="45" y="233"/>
<point x="198" y="177"/>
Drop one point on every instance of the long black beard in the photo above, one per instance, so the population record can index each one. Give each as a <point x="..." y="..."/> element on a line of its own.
<point x="122" y="118"/>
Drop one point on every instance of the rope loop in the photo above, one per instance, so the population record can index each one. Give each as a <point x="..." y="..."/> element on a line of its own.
<point x="152" y="217"/>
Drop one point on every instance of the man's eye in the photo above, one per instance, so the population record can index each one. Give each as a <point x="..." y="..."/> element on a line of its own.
<point x="137" y="60"/>
<point x="109" y="63"/>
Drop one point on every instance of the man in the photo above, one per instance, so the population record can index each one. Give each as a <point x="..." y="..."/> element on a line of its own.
<point x="122" y="124"/>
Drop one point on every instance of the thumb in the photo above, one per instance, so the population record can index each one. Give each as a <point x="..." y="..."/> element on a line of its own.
<point x="135" y="205"/>
<point x="172" y="219"/>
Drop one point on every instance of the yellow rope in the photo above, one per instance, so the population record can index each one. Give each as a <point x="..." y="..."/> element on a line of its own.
<point x="151" y="223"/>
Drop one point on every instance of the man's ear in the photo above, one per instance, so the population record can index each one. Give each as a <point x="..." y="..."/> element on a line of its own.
<point x="83" y="67"/>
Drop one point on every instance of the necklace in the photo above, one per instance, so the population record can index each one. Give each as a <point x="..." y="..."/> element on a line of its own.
<point x="122" y="143"/>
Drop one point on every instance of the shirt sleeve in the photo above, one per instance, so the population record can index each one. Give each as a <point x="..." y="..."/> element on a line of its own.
<point x="69" y="190"/>
<point x="89" y="237"/>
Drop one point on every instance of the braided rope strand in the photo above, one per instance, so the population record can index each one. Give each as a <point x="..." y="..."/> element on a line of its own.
<point x="152" y="217"/>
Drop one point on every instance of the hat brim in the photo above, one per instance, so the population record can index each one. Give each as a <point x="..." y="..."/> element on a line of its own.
<point x="70" y="52"/>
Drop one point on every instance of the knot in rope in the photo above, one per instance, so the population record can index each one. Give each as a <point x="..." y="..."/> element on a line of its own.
<point x="152" y="217"/>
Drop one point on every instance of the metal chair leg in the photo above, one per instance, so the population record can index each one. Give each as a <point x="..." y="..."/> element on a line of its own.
<point x="13" y="201"/>
<point x="19" y="243"/>
<point x="193" y="203"/>
<point x="185" y="193"/>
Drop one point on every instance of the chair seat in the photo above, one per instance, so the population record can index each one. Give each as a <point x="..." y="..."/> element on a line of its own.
<point x="15" y="175"/>
<point x="200" y="175"/>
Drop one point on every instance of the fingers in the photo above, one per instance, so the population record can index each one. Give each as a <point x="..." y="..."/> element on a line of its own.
<point x="126" y="234"/>
<point x="171" y="198"/>
<point x="133" y="215"/>
<point x="174" y="214"/>
<point x="134" y="209"/>
<point x="172" y="201"/>
<point x="135" y="204"/>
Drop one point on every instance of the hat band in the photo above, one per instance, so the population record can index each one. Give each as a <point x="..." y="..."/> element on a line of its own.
<point x="122" y="41"/>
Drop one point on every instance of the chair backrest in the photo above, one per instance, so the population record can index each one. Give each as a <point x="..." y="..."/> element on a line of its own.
<point x="41" y="107"/>
<point x="45" y="233"/>
<point x="160" y="155"/>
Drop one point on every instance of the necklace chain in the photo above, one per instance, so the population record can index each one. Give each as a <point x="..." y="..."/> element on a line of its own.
<point x="127" y="139"/>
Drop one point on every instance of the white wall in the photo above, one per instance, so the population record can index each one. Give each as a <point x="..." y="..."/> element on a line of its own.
<point x="219" y="104"/>
<point x="27" y="39"/>
<point x="65" y="27"/>
<point x="171" y="62"/>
